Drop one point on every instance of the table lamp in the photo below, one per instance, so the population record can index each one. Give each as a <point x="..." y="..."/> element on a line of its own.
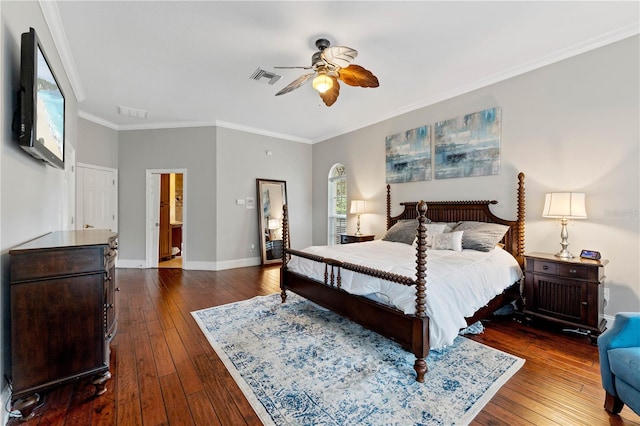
<point x="564" y="206"/>
<point x="358" y="207"/>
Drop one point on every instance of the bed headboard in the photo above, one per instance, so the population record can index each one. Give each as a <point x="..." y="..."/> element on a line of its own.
<point x="454" y="211"/>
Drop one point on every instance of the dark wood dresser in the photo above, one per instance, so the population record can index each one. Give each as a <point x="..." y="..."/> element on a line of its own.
<point x="566" y="291"/>
<point x="63" y="312"/>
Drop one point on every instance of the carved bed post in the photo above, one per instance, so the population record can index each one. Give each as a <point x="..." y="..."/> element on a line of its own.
<point x="420" y="364"/>
<point x="388" y="207"/>
<point x="285" y="246"/>
<point x="521" y="215"/>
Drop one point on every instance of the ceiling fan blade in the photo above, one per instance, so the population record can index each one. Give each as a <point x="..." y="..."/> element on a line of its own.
<point x="340" y="56"/>
<point x="355" y="75"/>
<point x="331" y="96"/>
<point x="296" y="83"/>
<point x="294" y="68"/>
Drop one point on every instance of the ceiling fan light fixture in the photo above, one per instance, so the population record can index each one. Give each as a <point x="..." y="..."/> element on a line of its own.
<point x="322" y="82"/>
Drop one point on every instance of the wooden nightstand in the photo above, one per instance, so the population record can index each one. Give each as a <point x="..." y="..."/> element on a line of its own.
<point x="348" y="239"/>
<point x="568" y="292"/>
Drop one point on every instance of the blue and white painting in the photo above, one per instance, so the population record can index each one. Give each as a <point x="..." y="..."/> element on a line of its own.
<point x="409" y="156"/>
<point x="468" y="145"/>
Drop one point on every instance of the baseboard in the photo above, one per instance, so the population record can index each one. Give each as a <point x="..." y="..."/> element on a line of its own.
<point x="219" y="266"/>
<point x="194" y="265"/>
<point x="609" y="320"/>
<point x="130" y="263"/>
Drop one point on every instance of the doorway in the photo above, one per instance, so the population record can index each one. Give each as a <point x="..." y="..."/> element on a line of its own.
<point x="166" y="218"/>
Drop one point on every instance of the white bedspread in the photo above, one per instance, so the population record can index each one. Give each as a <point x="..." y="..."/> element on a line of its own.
<point x="458" y="283"/>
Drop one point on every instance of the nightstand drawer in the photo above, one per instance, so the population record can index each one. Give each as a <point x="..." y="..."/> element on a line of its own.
<point x="545" y="267"/>
<point x="573" y="271"/>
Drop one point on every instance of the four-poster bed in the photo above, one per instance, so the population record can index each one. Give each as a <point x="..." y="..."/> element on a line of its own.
<point x="411" y="331"/>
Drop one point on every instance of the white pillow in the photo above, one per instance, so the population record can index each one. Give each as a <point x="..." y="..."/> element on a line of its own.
<point x="432" y="230"/>
<point x="448" y="241"/>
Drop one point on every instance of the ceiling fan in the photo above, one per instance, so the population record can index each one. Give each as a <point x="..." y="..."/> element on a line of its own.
<point x="330" y="64"/>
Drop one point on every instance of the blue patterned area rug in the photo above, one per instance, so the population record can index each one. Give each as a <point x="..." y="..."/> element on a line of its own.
<point x="299" y="364"/>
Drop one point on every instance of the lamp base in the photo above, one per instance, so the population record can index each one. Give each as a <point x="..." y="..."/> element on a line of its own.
<point x="564" y="254"/>
<point x="564" y="236"/>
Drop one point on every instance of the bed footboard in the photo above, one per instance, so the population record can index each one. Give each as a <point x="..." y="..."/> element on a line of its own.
<point x="410" y="331"/>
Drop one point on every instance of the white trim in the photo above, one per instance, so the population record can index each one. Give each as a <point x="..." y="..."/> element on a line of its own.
<point x="183" y="124"/>
<point x="97" y="120"/>
<point x="96" y="167"/>
<point x="130" y="263"/>
<point x="52" y="18"/>
<point x="610" y="319"/>
<point x="248" y="129"/>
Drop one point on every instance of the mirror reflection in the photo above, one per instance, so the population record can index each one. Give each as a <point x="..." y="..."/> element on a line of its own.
<point x="272" y="196"/>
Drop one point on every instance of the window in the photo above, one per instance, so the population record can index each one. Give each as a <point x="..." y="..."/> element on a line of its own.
<point x="337" y="218"/>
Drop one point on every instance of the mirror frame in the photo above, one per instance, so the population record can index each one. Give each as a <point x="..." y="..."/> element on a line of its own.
<point x="263" y="229"/>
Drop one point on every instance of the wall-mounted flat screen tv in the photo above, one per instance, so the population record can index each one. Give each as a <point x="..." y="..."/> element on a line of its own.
<point x="42" y="106"/>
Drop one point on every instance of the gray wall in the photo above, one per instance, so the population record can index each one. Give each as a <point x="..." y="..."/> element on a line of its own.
<point x="242" y="158"/>
<point x="570" y="126"/>
<point x="98" y="144"/>
<point x="193" y="149"/>
<point x="31" y="193"/>
<point x="222" y="166"/>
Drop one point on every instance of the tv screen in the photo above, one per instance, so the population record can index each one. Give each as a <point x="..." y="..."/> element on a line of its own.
<point x="42" y="105"/>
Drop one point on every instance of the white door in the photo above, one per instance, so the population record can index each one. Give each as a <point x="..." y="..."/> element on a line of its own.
<point x="98" y="193"/>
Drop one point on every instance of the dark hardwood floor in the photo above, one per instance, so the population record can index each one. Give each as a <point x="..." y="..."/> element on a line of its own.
<point x="166" y="373"/>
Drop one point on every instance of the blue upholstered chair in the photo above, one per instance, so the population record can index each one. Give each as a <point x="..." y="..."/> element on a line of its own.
<point x="619" y="349"/>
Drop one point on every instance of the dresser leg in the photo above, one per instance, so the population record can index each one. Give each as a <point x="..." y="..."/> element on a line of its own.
<point x="26" y="406"/>
<point x="100" y="382"/>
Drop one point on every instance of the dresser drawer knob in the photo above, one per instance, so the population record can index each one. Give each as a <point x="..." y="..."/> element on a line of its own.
<point x="573" y="271"/>
<point x="545" y="267"/>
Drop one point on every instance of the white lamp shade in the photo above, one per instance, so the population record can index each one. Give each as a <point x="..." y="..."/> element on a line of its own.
<point x="358" y="206"/>
<point x="564" y="204"/>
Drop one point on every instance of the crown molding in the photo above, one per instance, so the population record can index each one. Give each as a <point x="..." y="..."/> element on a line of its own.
<point x="262" y="132"/>
<point x="54" y="22"/>
<point x="97" y="120"/>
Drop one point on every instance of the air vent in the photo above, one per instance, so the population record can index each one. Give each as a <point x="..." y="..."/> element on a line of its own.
<point x="259" y="73"/>
<point x="132" y="112"/>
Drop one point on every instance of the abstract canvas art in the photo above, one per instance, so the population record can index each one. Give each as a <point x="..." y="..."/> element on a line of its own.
<point x="408" y="156"/>
<point x="468" y="145"/>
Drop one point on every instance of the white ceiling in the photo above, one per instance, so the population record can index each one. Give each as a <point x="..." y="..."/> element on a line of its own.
<point x="189" y="63"/>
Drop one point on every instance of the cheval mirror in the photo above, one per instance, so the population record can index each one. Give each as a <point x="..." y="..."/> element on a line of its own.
<point x="272" y="196"/>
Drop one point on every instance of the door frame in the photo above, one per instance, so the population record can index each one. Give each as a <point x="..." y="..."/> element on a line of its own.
<point x="151" y="248"/>
<point x="80" y="194"/>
